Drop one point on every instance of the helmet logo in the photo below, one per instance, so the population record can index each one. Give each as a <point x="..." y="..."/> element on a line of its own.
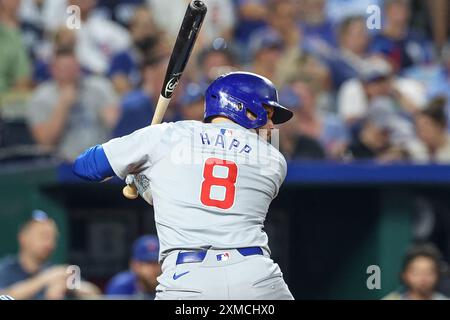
<point x="236" y="105"/>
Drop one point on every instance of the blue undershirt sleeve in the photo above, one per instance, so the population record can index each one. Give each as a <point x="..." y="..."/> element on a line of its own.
<point x="93" y="165"/>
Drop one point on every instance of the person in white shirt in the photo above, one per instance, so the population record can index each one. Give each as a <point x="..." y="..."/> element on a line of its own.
<point x="375" y="82"/>
<point x="219" y="22"/>
<point x="98" y="38"/>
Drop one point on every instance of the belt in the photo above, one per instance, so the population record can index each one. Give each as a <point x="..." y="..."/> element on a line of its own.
<point x="199" y="256"/>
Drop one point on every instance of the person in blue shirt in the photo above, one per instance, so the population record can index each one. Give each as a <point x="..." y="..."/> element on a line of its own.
<point x="192" y="102"/>
<point x="124" y="69"/>
<point x="351" y="57"/>
<point x="30" y="275"/>
<point x="137" y="106"/>
<point x="253" y="16"/>
<point x="140" y="280"/>
<point x="402" y="46"/>
<point x="318" y="32"/>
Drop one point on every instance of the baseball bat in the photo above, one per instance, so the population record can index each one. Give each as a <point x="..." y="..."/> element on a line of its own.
<point x="190" y="28"/>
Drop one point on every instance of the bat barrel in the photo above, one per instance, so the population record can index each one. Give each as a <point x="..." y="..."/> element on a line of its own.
<point x="190" y="27"/>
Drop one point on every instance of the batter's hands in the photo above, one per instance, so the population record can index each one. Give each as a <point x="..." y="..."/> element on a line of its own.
<point x="142" y="184"/>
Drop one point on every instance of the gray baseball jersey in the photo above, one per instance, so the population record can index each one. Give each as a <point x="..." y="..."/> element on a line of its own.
<point x="212" y="184"/>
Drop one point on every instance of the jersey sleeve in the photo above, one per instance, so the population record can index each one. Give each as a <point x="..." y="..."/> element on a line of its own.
<point x="135" y="152"/>
<point x="282" y="174"/>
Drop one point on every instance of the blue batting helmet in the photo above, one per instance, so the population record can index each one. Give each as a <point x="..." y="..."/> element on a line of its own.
<point x="241" y="97"/>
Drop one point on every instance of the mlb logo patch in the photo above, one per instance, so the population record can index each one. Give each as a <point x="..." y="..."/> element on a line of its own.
<point x="226" y="132"/>
<point x="223" y="256"/>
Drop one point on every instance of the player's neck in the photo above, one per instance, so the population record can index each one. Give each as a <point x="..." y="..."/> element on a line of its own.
<point x="220" y="119"/>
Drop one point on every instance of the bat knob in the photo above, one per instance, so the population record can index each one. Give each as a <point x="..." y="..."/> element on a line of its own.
<point x="130" y="192"/>
<point x="198" y="5"/>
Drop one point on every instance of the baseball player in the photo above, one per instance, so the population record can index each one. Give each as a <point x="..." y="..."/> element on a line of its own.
<point x="211" y="184"/>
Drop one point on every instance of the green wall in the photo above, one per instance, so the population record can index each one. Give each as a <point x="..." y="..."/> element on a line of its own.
<point x="20" y="193"/>
<point x="383" y="244"/>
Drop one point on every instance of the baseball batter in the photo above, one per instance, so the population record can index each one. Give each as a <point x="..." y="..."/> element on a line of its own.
<point x="211" y="184"/>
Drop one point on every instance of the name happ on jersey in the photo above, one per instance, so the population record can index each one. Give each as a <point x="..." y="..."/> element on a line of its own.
<point x="224" y="141"/>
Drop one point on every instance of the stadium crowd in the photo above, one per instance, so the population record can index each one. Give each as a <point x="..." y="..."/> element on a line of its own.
<point x="358" y="91"/>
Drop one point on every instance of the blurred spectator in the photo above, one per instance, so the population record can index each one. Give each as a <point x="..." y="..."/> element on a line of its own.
<point x="166" y="13"/>
<point x="219" y="22"/>
<point x="214" y="62"/>
<point x="267" y="50"/>
<point x="339" y="10"/>
<point x="252" y="16"/>
<point x="307" y="148"/>
<point x="378" y="84"/>
<point x="39" y="21"/>
<point x="137" y="106"/>
<point x="296" y="63"/>
<point x="140" y="280"/>
<point x="54" y="14"/>
<point x="98" y="39"/>
<point x="282" y="32"/>
<point x="290" y="60"/>
<point x="64" y="39"/>
<point x="192" y="104"/>
<point x="439" y="84"/>
<point x="379" y="108"/>
<point x="310" y="122"/>
<point x="432" y="130"/>
<point x="402" y="46"/>
<point x="420" y="275"/>
<point x="282" y="23"/>
<point x="71" y="112"/>
<point x="32" y="25"/>
<point x="124" y="68"/>
<point x="351" y="58"/>
<point x="14" y="63"/>
<point x="319" y="36"/>
<point x="120" y="11"/>
<point x="373" y="140"/>
<point x="439" y="11"/>
<point x="30" y="275"/>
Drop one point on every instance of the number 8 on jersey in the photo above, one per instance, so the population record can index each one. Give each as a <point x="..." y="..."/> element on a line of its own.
<point x="228" y="182"/>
